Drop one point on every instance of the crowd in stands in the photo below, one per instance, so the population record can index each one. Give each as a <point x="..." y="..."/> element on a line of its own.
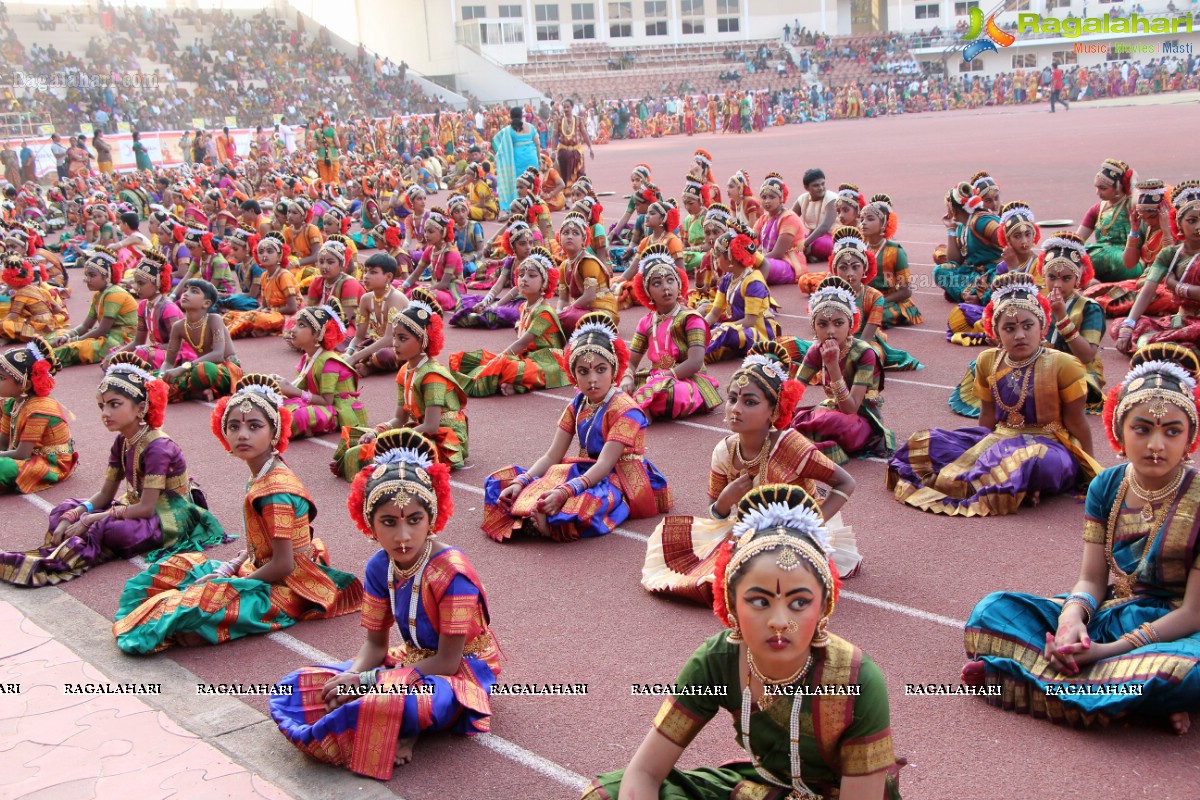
<point x="248" y="67"/>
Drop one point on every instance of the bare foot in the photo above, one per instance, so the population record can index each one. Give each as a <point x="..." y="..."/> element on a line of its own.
<point x="1181" y="723"/>
<point x="404" y="751"/>
<point x="973" y="673"/>
<point x="1035" y="499"/>
<point x="542" y="523"/>
<point x="507" y="389"/>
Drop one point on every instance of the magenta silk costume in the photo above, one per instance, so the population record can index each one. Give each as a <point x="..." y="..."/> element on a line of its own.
<point x="158" y="317"/>
<point x="769" y="229"/>
<point x="665" y="343"/>
<point x="448" y="258"/>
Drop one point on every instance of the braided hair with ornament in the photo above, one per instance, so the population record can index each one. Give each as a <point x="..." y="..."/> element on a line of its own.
<point x="326" y="322"/>
<point x="423" y="319"/>
<point x="1117" y="174"/>
<point x="19" y="272"/>
<point x="341" y="248"/>
<point x="1067" y="250"/>
<point x="984" y="185"/>
<point x="739" y="244"/>
<point x="404" y="467"/>
<point x="516" y="231"/>
<point x="834" y="296"/>
<point x="260" y="392"/>
<point x="1015" y="217"/>
<point x="540" y="259"/>
<point x="154" y="268"/>
<point x="132" y="378"/>
<point x="32" y="366"/>
<point x="767" y="366"/>
<point x="850" y="245"/>
<point x="106" y="262"/>
<point x="1185" y="198"/>
<point x="849" y="195"/>
<point x="274" y="242"/>
<point x="882" y="205"/>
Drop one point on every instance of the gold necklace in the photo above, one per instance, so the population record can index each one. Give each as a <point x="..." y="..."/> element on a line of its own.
<point x="1150" y="497"/>
<point x="769" y="698"/>
<point x="404" y="575"/>
<point x="187" y="332"/>
<point x="759" y="461"/>
<point x="132" y="442"/>
<point x="1124" y="582"/>
<point x="1016" y="412"/>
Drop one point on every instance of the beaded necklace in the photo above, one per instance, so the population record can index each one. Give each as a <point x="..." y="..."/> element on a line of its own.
<point x="415" y="574"/>
<point x="800" y="790"/>
<point x="1124" y="582"/>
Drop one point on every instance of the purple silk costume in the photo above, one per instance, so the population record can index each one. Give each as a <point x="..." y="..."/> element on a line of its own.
<point x="178" y="524"/>
<point x="498" y="316"/>
<point x="977" y="471"/>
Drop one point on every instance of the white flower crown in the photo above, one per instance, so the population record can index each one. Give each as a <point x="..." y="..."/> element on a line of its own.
<point x="767" y="363"/>
<point x="665" y="258"/>
<point x="404" y="455"/>
<point x="851" y="193"/>
<point x="1161" y="367"/>
<point x="986" y="180"/>
<point x="1187" y="195"/>
<point x="545" y="263"/>
<point x="850" y="242"/>
<point x="334" y="316"/>
<point x="821" y="296"/>
<point x="590" y="327"/>
<point x="130" y="369"/>
<point x="258" y="388"/>
<point x="1058" y="243"/>
<point x="33" y="351"/>
<point x="1019" y="211"/>
<point x="781" y="515"/>
<point x="1003" y="292"/>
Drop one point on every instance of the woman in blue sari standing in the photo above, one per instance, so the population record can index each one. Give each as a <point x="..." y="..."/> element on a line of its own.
<point x="516" y="149"/>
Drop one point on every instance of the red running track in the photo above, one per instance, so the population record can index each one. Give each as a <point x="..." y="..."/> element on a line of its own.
<point x="576" y="613"/>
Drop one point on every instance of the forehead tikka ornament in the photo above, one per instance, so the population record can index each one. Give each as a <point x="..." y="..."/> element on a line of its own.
<point x="1158" y="384"/>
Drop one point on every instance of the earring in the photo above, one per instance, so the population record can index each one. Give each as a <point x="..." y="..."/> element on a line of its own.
<point x="821" y="638"/>
<point x="735" y="633"/>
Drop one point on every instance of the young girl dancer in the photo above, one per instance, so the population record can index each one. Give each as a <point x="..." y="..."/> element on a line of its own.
<point x="366" y="714"/>
<point x="529" y="363"/>
<point x="161" y="512"/>
<point x="673" y="338"/>
<point x="565" y="497"/>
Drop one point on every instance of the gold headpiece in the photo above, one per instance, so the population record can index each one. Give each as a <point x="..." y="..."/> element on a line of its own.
<point x="256" y="391"/>
<point x="783" y="518"/>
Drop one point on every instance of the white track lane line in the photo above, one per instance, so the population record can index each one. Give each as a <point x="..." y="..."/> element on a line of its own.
<point x="314" y="655"/>
<point x="641" y="537"/>
<point x="504" y="747"/>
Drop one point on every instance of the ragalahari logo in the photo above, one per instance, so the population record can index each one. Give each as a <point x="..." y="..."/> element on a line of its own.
<point x="994" y="36"/>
